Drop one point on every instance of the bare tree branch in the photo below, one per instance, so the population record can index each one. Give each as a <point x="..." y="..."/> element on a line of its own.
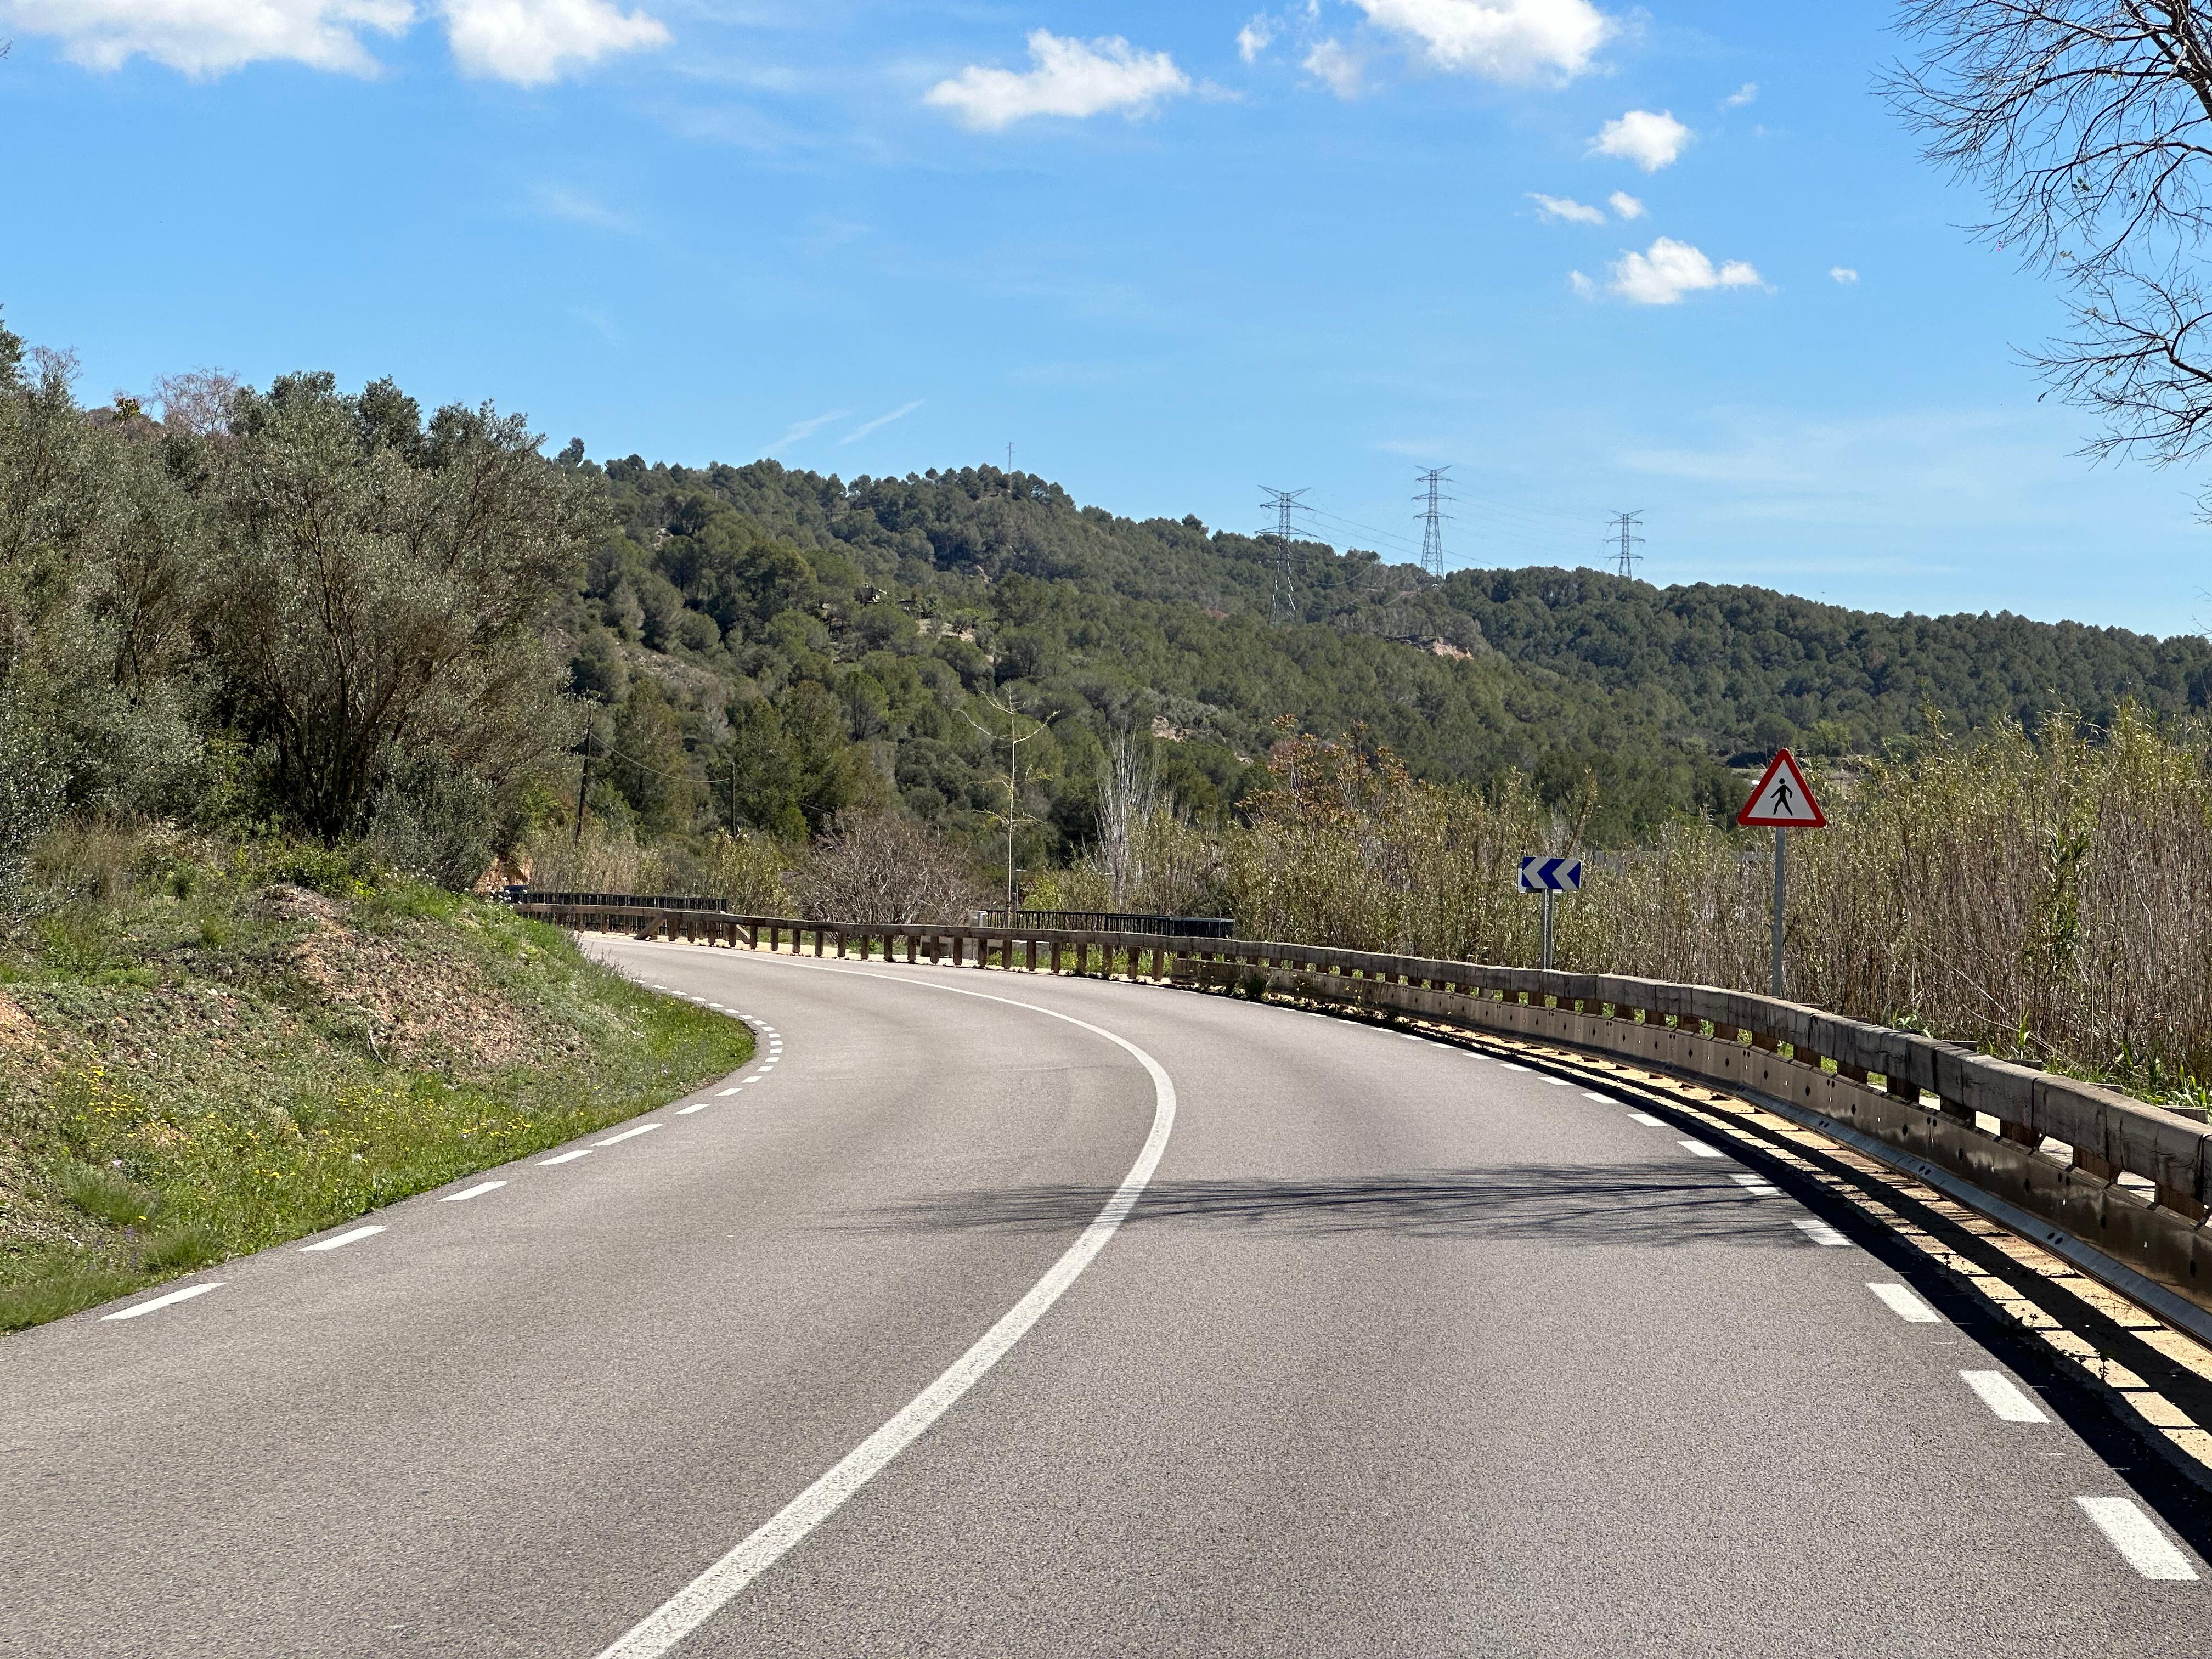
<point x="2088" y="124"/>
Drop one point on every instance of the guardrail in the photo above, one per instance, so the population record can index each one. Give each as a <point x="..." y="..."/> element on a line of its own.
<point x="2130" y="1180"/>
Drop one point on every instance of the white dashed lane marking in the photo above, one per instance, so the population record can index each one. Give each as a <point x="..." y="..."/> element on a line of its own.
<point x="562" y="1158"/>
<point x="627" y="1134"/>
<point x="686" y="1111"/>
<point x="2004" y="1396"/>
<point x="1602" y="1100"/>
<point x="169" y="1301"/>
<point x="1756" y="1185"/>
<point x="1647" y="1119"/>
<point x="2137" y="1538"/>
<point x="476" y="1191"/>
<point x="1507" y="1066"/>
<point x="352" y="1236"/>
<point x="724" y="1094"/>
<point x="1700" y="1149"/>
<point x="1819" y="1231"/>
<point x="1905" y="1306"/>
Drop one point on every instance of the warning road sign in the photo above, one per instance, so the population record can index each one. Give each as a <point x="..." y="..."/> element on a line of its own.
<point x="1782" y="801"/>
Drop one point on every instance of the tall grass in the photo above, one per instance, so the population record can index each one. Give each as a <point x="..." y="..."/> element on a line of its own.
<point x="2047" y="896"/>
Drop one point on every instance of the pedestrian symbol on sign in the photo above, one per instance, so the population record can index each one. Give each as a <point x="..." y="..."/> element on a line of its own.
<point x="1782" y="801"/>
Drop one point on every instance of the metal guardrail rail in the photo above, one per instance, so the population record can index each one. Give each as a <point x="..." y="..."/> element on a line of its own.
<point x="2130" y="1180"/>
<point x="1111" y="921"/>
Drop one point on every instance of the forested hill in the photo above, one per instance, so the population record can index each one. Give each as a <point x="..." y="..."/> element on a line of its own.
<point x="735" y="588"/>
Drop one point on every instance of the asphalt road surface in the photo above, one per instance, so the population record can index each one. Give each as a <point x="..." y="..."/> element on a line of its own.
<point x="1399" y="1351"/>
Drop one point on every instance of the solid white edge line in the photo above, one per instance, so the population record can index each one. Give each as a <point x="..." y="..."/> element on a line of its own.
<point x="1905" y="1306"/>
<point x="700" y="1599"/>
<point x="353" y="1235"/>
<point x="169" y="1301"/>
<point x="627" y="1134"/>
<point x="2133" y="1535"/>
<point x="476" y="1191"/>
<point x="2004" y="1396"/>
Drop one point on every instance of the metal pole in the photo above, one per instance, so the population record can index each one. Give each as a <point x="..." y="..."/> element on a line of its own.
<point x="1780" y="880"/>
<point x="1548" y="930"/>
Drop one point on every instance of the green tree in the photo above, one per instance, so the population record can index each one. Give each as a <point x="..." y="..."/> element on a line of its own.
<point x="382" y="589"/>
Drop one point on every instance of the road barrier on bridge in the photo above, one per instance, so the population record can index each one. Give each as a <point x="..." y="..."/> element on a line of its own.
<point x="2130" y="1180"/>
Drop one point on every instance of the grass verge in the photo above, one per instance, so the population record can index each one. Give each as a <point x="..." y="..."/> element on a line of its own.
<point x="231" y="1048"/>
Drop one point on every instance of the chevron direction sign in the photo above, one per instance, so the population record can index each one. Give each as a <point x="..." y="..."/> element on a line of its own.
<point x="1541" y="875"/>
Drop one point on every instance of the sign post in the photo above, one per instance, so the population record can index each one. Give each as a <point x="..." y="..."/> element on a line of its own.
<point x="1782" y="802"/>
<point x="1550" y="877"/>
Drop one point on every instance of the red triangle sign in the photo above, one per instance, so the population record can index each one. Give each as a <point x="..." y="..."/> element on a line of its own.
<point x="1782" y="801"/>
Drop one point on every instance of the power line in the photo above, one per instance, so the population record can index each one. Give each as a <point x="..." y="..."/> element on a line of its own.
<point x="1622" y="529"/>
<point x="1432" y="517"/>
<point x="1284" y="503"/>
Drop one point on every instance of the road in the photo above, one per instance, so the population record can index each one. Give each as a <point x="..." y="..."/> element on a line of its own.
<point x="1400" y="1351"/>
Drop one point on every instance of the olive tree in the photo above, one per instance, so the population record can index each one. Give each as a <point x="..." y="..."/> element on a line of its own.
<point x="380" y="590"/>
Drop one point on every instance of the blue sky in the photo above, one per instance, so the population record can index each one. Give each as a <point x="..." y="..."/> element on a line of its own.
<point x="1172" y="252"/>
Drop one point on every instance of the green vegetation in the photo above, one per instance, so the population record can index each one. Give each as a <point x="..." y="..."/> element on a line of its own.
<point x="207" y="1050"/>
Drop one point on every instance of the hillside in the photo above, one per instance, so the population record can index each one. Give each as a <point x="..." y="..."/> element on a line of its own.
<point x="774" y="646"/>
<point x="208" y="1049"/>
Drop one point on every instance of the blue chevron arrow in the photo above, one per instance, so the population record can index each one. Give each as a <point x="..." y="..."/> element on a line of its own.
<point x="1546" y="875"/>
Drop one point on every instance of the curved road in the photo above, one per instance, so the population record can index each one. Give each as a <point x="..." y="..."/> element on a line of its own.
<point x="1401" y="1350"/>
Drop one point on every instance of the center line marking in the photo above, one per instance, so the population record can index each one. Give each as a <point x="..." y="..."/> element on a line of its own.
<point x="169" y="1301"/>
<point x="627" y="1134"/>
<point x="1700" y="1149"/>
<point x="353" y="1236"/>
<point x="1905" y="1306"/>
<point x="562" y="1158"/>
<point x="476" y="1191"/>
<point x="660" y="1631"/>
<point x="2004" y="1396"/>
<point x="2134" y="1535"/>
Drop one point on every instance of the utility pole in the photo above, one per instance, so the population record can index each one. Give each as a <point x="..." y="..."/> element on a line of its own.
<point x="1013" y="816"/>
<point x="1283" y="503"/>
<point x="1433" y="532"/>
<point x="1621" y="532"/>
<point x="583" y="789"/>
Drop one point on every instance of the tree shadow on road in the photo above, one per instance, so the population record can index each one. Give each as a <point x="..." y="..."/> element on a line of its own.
<point x="1618" y="1204"/>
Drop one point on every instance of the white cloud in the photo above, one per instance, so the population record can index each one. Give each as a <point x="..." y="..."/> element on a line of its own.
<point x="1342" y="68"/>
<point x="1070" y="77"/>
<point x="867" y="427"/>
<point x="209" y="37"/>
<point x="1255" y="37"/>
<point x="1661" y="274"/>
<point x="1555" y="209"/>
<point x="1844" y="274"/>
<point x="1499" y="40"/>
<point x="528" y="41"/>
<point x="1651" y="140"/>
<point x="806" y="428"/>
<point x="1742" y="95"/>
<point x="1581" y="284"/>
<point x="579" y="208"/>
<point x="531" y="42"/>
<point x="1626" y="205"/>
